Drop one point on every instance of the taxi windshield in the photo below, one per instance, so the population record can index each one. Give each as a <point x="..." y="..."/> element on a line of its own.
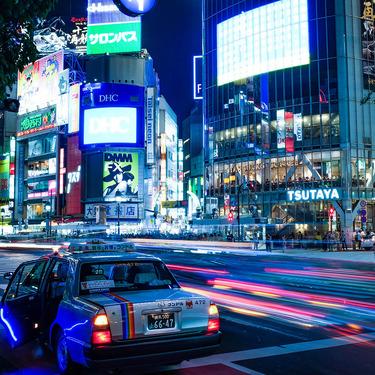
<point x="129" y="275"/>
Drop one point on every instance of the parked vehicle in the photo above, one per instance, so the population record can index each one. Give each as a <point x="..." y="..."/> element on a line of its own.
<point x="101" y="305"/>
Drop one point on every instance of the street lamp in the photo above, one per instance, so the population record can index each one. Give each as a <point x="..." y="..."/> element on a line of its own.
<point x="48" y="223"/>
<point x="118" y="200"/>
<point x="238" y="210"/>
<point x="2" y="221"/>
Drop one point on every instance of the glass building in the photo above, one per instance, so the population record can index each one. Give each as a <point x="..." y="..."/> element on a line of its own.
<point x="286" y="136"/>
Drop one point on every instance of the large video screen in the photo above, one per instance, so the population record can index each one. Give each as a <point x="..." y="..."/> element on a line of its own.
<point x="268" y="38"/>
<point x="111" y="114"/>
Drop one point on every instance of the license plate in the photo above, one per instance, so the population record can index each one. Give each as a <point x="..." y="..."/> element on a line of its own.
<point x="161" y="321"/>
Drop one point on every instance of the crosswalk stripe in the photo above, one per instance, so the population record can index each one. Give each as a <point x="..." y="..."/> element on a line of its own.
<point x="280" y="350"/>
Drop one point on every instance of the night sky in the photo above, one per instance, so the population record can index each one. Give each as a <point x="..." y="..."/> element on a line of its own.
<point x="172" y="34"/>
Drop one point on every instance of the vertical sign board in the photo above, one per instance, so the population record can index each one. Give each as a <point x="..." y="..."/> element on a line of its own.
<point x="21" y="161"/>
<point x="280" y="117"/>
<point x="368" y="39"/>
<point x="198" y="77"/>
<point x="110" y="31"/>
<point x="298" y="126"/>
<point x="289" y="136"/>
<point x="150" y="127"/>
<point x="74" y="92"/>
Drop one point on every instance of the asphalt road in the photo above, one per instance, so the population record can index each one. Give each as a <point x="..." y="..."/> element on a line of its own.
<point x="279" y="315"/>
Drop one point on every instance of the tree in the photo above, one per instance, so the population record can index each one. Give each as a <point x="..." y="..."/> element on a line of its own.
<point x="17" y="49"/>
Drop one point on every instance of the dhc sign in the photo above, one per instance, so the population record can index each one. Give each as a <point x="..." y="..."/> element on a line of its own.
<point x="328" y="194"/>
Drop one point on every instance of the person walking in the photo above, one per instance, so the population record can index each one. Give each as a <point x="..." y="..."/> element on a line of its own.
<point x="358" y="239"/>
<point x="344" y="244"/>
<point x="324" y="243"/>
<point x="268" y="242"/>
<point x="318" y="240"/>
<point x="330" y="240"/>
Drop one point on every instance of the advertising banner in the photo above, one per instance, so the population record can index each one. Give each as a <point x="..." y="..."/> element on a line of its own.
<point x="198" y="77"/>
<point x="56" y="33"/>
<point x="4" y="175"/>
<point x="368" y="44"/>
<point x="280" y="117"/>
<point x="289" y="136"/>
<point x="126" y="210"/>
<point x="111" y="115"/>
<point x="29" y="125"/>
<point x="120" y="175"/>
<point x="150" y="127"/>
<point x="21" y="161"/>
<point x="73" y="170"/>
<point x="298" y="126"/>
<point x="38" y="84"/>
<point x="74" y="95"/>
<point x="111" y="31"/>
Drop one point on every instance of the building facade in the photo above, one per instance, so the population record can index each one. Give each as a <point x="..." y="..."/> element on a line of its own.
<point x="286" y="135"/>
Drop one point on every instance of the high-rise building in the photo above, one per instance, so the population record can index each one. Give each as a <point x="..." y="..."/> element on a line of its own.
<point x="286" y="135"/>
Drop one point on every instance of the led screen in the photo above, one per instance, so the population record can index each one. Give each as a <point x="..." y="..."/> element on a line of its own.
<point x="110" y="126"/>
<point x="268" y="38"/>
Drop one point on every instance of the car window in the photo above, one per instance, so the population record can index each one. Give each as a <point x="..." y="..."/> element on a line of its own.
<point x="27" y="280"/>
<point x="132" y="275"/>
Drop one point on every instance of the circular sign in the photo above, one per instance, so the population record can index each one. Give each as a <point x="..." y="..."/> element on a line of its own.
<point x="358" y="212"/>
<point x="363" y="219"/>
<point x="363" y="204"/>
<point x="134" y="8"/>
<point x="363" y="212"/>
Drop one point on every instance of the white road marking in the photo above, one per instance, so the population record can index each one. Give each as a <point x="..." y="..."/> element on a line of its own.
<point x="245" y="370"/>
<point x="271" y="351"/>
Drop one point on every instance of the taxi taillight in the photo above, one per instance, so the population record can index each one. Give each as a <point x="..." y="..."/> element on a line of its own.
<point x="213" y="318"/>
<point x="101" y="333"/>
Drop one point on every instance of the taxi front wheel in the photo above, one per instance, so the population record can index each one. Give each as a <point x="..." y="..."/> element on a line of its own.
<point x="64" y="362"/>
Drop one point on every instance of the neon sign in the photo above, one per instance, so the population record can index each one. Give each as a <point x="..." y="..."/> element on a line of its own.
<point x="328" y="194"/>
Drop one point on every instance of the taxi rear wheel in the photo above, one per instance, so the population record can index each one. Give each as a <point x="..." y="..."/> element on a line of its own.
<point x="64" y="362"/>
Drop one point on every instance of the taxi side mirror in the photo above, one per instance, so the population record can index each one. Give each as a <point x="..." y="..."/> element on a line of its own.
<point x="8" y="275"/>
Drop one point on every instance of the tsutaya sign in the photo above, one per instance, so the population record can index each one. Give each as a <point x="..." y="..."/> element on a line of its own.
<point x="328" y="194"/>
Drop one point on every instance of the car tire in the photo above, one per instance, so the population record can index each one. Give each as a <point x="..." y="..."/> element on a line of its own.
<point x="64" y="362"/>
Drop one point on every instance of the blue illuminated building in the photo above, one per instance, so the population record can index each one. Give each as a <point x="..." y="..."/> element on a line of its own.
<point x="286" y="135"/>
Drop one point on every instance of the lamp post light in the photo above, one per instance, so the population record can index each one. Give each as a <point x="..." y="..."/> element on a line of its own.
<point x="118" y="200"/>
<point x="2" y="221"/>
<point x="48" y="223"/>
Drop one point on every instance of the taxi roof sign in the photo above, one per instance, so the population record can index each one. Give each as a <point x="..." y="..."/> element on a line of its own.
<point x="99" y="245"/>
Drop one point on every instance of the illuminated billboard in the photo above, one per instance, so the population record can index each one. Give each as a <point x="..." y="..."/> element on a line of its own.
<point x="38" y="83"/>
<point x="268" y="38"/>
<point x="111" y="115"/>
<point x="120" y="175"/>
<point x="111" y="31"/>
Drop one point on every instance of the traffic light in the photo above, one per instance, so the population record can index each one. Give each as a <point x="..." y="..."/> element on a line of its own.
<point x="230" y="216"/>
<point x="331" y="212"/>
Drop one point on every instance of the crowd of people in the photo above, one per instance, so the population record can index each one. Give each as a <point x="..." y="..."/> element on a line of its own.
<point x="330" y="241"/>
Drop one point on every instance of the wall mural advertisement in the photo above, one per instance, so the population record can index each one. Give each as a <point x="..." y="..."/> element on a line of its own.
<point x="120" y="174"/>
<point x="38" y="83"/>
<point x="368" y="44"/>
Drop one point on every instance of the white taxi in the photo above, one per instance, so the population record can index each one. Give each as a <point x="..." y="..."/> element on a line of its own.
<point x="101" y="305"/>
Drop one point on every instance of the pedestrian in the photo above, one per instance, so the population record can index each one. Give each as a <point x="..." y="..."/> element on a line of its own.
<point x="344" y="245"/>
<point x="268" y="242"/>
<point x="358" y="239"/>
<point x="318" y="240"/>
<point x="284" y="242"/>
<point x="256" y="241"/>
<point x="299" y="239"/>
<point x="324" y="243"/>
<point x="330" y="240"/>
